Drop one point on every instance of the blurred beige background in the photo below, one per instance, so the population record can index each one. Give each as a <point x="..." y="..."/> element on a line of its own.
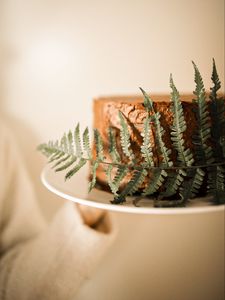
<point x="55" y="56"/>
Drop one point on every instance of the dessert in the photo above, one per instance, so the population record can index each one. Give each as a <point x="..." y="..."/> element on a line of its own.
<point x="106" y="111"/>
<point x="169" y="147"/>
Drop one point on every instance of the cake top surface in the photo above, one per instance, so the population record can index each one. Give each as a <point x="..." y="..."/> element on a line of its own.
<point x="139" y="99"/>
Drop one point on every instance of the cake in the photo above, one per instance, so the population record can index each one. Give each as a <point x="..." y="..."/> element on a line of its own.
<point x="168" y="147"/>
<point x="106" y="111"/>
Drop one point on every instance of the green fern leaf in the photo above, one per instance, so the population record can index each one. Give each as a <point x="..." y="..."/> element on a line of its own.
<point x="204" y="154"/>
<point x="216" y="82"/>
<point x="75" y="169"/>
<point x="63" y="159"/>
<point x="86" y="143"/>
<point x="112" y="146"/>
<point x="191" y="186"/>
<point x="64" y="143"/>
<point x="217" y="111"/>
<point x="173" y="183"/>
<point x="94" y="168"/>
<point x="114" y="183"/>
<point x="108" y="172"/>
<point x="165" y="152"/>
<point x="146" y="148"/>
<point x="77" y="140"/>
<point x="120" y="175"/>
<point x="99" y="145"/>
<point x="184" y="156"/>
<point x="157" y="180"/>
<point x="47" y="150"/>
<point x="186" y="183"/>
<point x="217" y="184"/>
<point x="125" y="138"/>
<point x="132" y="186"/>
<point x="57" y="155"/>
<point x="67" y="164"/>
<point x="148" y="103"/>
<point x="51" y="151"/>
<point x="70" y="142"/>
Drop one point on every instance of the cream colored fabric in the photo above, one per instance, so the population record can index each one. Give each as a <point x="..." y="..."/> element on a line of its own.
<point x="39" y="260"/>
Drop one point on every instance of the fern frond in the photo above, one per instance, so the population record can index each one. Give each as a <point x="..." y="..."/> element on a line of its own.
<point x="173" y="183"/>
<point x="71" y="153"/>
<point x="99" y="145"/>
<point x="157" y="180"/>
<point x="184" y="156"/>
<point x="146" y="147"/>
<point x="86" y="143"/>
<point x="118" y="178"/>
<point x="70" y="142"/>
<point x="61" y="160"/>
<point x="216" y="82"/>
<point x="132" y="186"/>
<point x="148" y="103"/>
<point x="204" y="153"/>
<point x="94" y="168"/>
<point x="165" y="152"/>
<point x="75" y="169"/>
<point x="62" y="153"/>
<point x="112" y="146"/>
<point x="217" y="111"/>
<point x="48" y="150"/>
<point x="77" y="140"/>
<point x="125" y="138"/>
<point x="217" y="184"/>
<point x="191" y="186"/>
<point x="114" y="183"/>
<point x="108" y="172"/>
<point x="64" y="143"/>
<point x="68" y="163"/>
<point x="57" y="155"/>
<point x="199" y="88"/>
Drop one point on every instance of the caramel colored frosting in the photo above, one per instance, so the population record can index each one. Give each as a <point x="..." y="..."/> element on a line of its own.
<point x="106" y="115"/>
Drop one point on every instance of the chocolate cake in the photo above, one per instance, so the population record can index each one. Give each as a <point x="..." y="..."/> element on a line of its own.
<point x="168" y="147"/>
<point x="106" y="115"/>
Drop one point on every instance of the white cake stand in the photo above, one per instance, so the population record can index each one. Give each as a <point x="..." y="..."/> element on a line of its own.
<point x="76" y="190"/>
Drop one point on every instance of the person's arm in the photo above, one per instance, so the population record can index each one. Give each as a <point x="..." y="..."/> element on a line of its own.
<point x="40" y="261"/>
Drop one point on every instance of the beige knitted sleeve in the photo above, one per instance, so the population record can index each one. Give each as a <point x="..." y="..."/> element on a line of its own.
<point x="40" y="261"/>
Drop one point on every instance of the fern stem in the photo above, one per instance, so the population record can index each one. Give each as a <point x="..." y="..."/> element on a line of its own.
<point x="45" y="147"/>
